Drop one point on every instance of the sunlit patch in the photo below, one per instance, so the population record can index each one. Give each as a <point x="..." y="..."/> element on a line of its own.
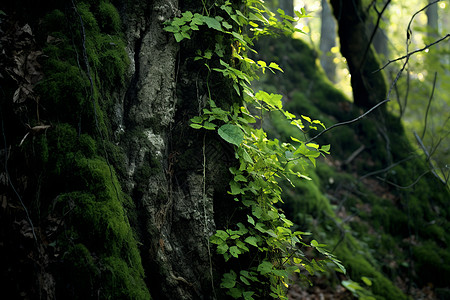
<point x="335" y="50"/>
<point x="442" y="5"/>
<point x="420" y="77"/>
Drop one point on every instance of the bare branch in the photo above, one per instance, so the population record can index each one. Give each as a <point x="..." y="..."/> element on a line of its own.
<point x="351" y="121"/>
<point x="387" y="168"/>
<point x="354" y="154"/>
<point x="374" y="31"/>
<point x="408" y="186"/>
<point x="413" y="52"/>
<point x="419" y="140"/>
<point x="428" y="106"/>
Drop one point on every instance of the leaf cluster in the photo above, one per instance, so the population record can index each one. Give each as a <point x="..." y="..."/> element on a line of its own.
<point x="263" y="162"/>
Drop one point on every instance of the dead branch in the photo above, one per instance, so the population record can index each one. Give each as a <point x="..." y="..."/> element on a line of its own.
<point x="413" y="52"/>
<point x="428" y="106"/>
<point x="430" y="162"/>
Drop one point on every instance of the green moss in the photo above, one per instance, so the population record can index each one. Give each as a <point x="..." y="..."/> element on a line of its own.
<point x="54" y="21"/>
<point x="102" y="226"/>
<point x="81" y="272"/>
<point x="358" y="266"/>
<point x="89" y="20"/>
<point x="101" y="258"/>
<point x="306" y="199"/>
<point x="87" y="145"/>
<point x="432" y="262"/>
<point x="109" y="18"/>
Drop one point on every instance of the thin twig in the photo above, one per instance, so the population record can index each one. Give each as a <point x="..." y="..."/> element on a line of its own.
<point x="432" y="168"/>
<point x="408" y="186"/>
<point x="387" y="168"/>
<point x="205" y="215"/>
<point x="351" y="121"/>
<point x="354" y="154"/>
<point x="11" y="183"/>
<point x="413" y="52"/>
<point x="374" y="31"/>
<point x="428" y="106"/>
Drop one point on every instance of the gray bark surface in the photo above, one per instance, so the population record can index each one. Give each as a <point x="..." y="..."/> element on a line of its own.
<point x="177" y="217"/>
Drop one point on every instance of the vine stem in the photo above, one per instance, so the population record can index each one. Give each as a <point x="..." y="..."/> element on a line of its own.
<point x="12" y="185"/>
<point x="205" y="216"/>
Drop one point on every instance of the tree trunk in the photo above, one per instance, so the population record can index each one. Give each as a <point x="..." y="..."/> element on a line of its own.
<point x="433" y="19"/>
<point x="369" y="87"/>
<point x="115" y="182"/>
<point x="327" y="41"/>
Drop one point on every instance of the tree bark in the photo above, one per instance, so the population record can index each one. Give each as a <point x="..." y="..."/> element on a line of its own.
<point x="171" y="179"/>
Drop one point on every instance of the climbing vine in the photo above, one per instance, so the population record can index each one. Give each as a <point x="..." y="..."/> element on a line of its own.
<point x="263" y="162"/>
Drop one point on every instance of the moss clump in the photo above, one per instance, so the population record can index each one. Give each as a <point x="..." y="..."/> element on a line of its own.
<point x="101" y="258"/>
<point x="358" y="266"/>
<point x="432" y="262"/>
<point x="81" y="272"/>
<point x="109" y="18"/>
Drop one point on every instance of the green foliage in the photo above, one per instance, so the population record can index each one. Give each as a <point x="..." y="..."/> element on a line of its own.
<point x="266" y="232"/>
<point x="357" y="290"/>
<point x="109" y="18"/>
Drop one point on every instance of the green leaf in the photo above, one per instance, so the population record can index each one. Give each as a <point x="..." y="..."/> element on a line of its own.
<point x="178" y="37"/>
<point x="229" y="280"/>
<point x="235" y="293"/>
<point x="172" y="28"/>
<point x="231" y="133"/>
<point x="273" y="100"/>
<point x="351" y="285"/>
<point x="187" y="15"/>
<point x="239" y="37"/>
<point x="197" y="119"/>
<point x="275" y="66"/>
<point x="197" y="20"/>
<point x="262" y="63"/>
<point x="265" y="267"/>
<point x="222" y="235"/>
<point x="260" y="227"/>
<point x="248" y="295"/>
<point x="236" y="188"/>
<point x="325" y="148"/>
<point x="209" y="126"/>
<point x="242" y="246"/>
<point x="252" y="241"/>
<point x="222" y="248"/>
<point x="244" y="280"/>
<point x="257" y="211"/>
<point x="313" y="145"/>
<point x="226" y="25"/>
<point x="366" y="280"/>
<point x="340" y="266"/>
<point x="196" y="126"/>
<point x="208" y="54"/>
<point x="212" y="23"/>
<point x="240" y="178"/>
<point x="234" y="250"/>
